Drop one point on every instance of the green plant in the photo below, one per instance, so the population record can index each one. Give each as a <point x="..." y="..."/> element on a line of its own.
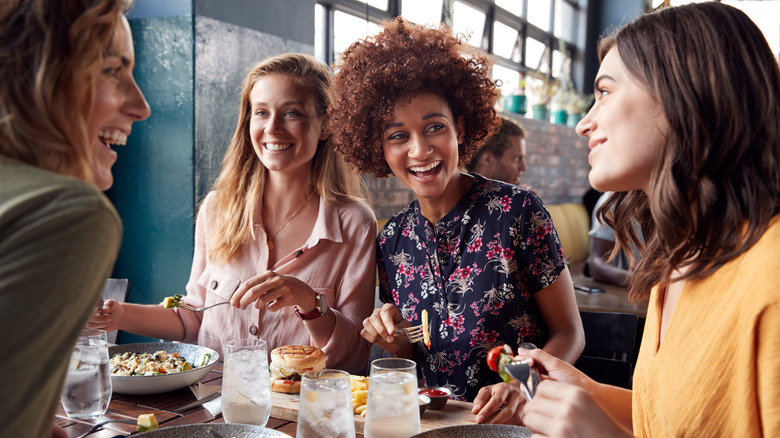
<point x="576" y="103"/>
<point x="541" y="88"/>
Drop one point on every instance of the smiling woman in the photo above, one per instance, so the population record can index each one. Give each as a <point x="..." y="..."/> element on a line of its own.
<point x="480" y="256"/>
<point x="66" y="94"/>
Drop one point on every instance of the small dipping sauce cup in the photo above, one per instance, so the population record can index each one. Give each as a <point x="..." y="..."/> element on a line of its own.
<point x="438" y="395"/>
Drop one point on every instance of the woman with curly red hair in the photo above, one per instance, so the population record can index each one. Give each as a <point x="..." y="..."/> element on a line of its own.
<point x="481" y="256"/>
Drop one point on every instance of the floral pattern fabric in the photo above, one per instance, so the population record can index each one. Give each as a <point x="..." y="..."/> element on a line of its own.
<point x="476" y="272"/>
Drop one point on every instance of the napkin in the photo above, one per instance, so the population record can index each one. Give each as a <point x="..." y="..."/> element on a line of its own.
<point x="201" y="390"/>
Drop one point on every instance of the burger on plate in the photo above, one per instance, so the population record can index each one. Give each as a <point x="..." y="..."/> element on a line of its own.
<point x="289" y="362"/>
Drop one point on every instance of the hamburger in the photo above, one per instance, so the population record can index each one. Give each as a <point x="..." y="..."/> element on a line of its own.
<point x="289" y="362"/>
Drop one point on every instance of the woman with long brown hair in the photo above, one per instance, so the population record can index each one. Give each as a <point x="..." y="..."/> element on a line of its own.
<point x="284" y="236"/>
<point x="685" y="127"/>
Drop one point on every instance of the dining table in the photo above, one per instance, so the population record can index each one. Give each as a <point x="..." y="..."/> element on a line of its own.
<point x="609" y="298"/>
<point x="283" y="413"/>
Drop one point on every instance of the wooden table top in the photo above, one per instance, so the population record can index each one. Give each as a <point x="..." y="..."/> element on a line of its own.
<point x="613" y="299"/>
<point x="283" y="413"/>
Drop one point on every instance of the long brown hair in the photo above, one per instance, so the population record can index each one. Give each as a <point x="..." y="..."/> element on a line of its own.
<point x="50" y="57"/>
<point x="717" y="185"/>
<point x="243" y="176"/>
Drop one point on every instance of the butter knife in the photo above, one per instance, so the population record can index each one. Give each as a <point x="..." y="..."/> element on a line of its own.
<point x="197" y="403"/>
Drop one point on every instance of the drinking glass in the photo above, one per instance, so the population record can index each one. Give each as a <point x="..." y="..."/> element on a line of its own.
<point x="87" y="389"/>
<point x="246" y="387"/>
<point x="326" y="405"/>
<point x="393" y="409"/>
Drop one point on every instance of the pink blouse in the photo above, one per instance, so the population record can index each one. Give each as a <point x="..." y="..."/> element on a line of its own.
<point x="338" y="260"/>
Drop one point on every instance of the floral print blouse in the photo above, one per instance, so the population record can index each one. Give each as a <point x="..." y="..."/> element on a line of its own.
<point x="475" y="271"/>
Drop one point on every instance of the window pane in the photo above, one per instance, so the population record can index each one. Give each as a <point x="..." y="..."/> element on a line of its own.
<point x="319" y="24"/>
<point x="379" y="4"/>
<point x="534" y="50"/>
<point x="539" y="14"/>
<point x="505" y="41"/>
<point x="564" y="21"/>
<point x="513" y="6"/>
<point x="347" y="29"/>
<point x="470" y="21"/>
<point x="422" y="12"/>
<point x="510" y="79"/>
<point x="558" y="59"/>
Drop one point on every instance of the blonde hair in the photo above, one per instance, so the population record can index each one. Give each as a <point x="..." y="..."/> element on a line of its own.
<point x="243" y="176"/>
<point x="51" y="52"/>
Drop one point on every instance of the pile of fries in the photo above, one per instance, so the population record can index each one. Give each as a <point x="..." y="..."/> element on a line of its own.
<point x="359" y="386"/>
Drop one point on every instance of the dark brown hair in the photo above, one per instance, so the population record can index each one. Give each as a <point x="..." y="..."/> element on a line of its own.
<point x="498" y="143"/>
<point x="402" y="61"/>
<point x="717" y="185"/>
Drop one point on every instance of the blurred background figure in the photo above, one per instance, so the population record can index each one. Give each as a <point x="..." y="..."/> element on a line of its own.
<point x="503" y="156"/>
<point x="600" y="266"/>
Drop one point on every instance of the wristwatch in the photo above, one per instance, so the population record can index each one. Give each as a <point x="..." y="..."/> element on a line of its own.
<point x="320" y="308"/>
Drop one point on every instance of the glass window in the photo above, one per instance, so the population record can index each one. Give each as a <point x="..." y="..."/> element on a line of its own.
<point x="422" y="12"/>
<point x="319" y="29"/>
<point x="470" y="21"/>
<point x="539" y="14"/>
<point x="535" y="55"/>
<point x="558" y="60"/>
<point x="347" y="29"/>
<point x="513" y="6"/>
<point x="505" y="41"/>
<point x="564" y="21"/>
<point x="379" y="4"/>
<point x="510" y="79"/>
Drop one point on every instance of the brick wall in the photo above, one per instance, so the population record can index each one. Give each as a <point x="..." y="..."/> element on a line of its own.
<point x="557" y="161"/>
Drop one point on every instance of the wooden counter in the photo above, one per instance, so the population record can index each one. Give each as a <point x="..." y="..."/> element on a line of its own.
<point x="613" y="299"/>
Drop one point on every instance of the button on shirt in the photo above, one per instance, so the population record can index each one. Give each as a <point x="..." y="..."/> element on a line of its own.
<point x="475" y="271"/>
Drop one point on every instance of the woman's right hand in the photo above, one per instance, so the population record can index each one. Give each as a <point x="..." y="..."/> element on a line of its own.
<point x="109" y="319"/>
<point x="552" y="368"/>
<point x="379" y="328"/>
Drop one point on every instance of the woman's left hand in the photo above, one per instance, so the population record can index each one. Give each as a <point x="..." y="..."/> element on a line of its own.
<point x="501" y="403"/>
<point x="274" y="292"/>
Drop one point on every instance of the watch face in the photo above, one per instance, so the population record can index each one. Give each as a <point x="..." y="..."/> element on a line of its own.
<point x="323" y="304"/>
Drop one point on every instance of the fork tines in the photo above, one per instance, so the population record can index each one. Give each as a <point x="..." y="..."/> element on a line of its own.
<point x="415" y="334"/>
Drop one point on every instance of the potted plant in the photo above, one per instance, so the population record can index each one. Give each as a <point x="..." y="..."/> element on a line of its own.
<point x="541" y="89"/>
<point x="576" y="105"/>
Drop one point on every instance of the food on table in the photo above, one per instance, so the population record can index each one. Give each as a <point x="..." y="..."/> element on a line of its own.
<point x="289" y="362"/>
<point x="148" y="364"/>
<point x="171" y="302"/>
<point x="425" y="328"/>
<point x="147" y="422"/>
<point x="359" y="386"/>
<point x="433" y="392"/>
<point x="497" y="358"/>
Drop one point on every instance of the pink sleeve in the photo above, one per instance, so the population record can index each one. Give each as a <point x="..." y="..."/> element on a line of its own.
<point x="347" y="349"/>
<point x="196" y="294"/>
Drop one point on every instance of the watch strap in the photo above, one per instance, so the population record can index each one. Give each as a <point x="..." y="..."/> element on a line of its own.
<point x="314" y="314"/>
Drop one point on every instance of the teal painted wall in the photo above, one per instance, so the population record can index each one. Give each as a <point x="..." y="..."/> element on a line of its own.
<point x="153" y="187"/>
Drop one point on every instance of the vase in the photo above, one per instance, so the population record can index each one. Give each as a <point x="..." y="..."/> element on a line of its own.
<point x="540" y="111"/>
<point x="573" y="119"/>
<point x="515" y="104"/>
<point x="559" y="117"/>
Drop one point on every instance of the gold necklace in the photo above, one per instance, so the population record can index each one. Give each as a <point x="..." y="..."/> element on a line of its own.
<point x="270" y="239"/>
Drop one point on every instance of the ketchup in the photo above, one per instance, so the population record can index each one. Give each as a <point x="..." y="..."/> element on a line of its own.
<point x="433" y="392"/>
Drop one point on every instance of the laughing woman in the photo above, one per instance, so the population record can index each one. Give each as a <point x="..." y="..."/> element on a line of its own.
<point x="480" y="256"/>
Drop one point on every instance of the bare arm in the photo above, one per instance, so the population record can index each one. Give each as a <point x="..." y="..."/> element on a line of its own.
<point x="147" y="320"/>
<point x="602" y="270"/>
<point x="559" y="309"/>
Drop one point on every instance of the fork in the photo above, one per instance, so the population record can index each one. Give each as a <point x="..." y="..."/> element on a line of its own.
<point x="521" y="371"/>
<point x="200" y="309"/>
<point x="413" y="334"/>
<point x="100" y="425"/>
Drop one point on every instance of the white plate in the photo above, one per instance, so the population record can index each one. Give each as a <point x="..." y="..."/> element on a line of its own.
<point x="194" y="354"/>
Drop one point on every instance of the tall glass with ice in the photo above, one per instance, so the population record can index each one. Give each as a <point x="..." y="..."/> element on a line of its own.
<point x="393" y="410"/>
<point x="87" y="389"/>
<point x="326" y="405"/>
<point x="246" y="387"/>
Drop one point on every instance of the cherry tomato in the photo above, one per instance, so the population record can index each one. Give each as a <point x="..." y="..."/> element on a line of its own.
<point x="493" y="356"/>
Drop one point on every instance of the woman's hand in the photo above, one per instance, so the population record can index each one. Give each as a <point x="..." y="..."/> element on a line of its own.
<point x="501" y="403"/>
<point x="381" y="325"/>
<point x="552" y="368"/>
<point x="565" y="410"/>
<point x="110" y="318"/>
<point x="274" y="292"/>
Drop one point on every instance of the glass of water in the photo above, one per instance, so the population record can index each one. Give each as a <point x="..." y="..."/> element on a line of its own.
<point x="393" y="409"/>
<point x="87" y="388"/>
<point x="326" y="405"/>
<point x="246" y="385"/>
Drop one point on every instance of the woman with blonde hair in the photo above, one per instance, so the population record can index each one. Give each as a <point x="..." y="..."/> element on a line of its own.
<point x="285" y="228"/>
<point x="67" y="94"/>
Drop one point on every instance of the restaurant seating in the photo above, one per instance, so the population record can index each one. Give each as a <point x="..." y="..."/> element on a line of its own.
<point x="572" y="223"/>
<point x="115" y="289"/>
<point x="609" y="347"/>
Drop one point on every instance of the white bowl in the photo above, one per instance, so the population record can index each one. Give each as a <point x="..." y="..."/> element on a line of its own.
<point x="194" y="354"/>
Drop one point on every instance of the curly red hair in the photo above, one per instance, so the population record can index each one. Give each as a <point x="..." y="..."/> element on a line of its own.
<point x="404" y="60"/>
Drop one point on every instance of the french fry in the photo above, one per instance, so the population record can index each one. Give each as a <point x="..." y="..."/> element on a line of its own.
<point x="425" y="328"/>
<point x="359" y="387"/>
<point x="360" y="410"/>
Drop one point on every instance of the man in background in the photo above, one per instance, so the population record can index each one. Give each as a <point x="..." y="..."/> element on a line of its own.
<point x="503" y="156"/>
